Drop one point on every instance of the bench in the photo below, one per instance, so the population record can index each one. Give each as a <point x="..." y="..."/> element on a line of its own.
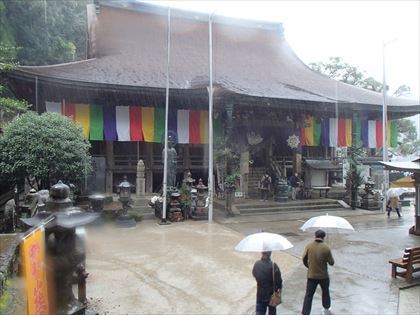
<point x="410" y="262"/>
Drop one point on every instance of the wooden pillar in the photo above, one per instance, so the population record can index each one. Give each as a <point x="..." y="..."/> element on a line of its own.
<point x="149" y="167"/>
<point x="244" y="170"/>
<point x="229" y="121"/>
<point x="109" y="155"/>
<point x="297" y="163"/>
<point x="186" y="160"/>
<point x="416" y="228"/>
<point x="269" y="152"/>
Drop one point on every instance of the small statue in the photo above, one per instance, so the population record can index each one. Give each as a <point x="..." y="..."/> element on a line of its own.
<point x="188" y="180"/>
<point x="172" y="161"/>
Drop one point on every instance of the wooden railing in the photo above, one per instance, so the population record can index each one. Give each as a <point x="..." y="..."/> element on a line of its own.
<point x="129" y="162"/>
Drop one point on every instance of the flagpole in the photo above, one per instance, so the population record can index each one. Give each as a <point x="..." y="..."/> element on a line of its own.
<point x="384" y="125"/>
<point x="210" y="90"/>
<point x="165" y="158"/>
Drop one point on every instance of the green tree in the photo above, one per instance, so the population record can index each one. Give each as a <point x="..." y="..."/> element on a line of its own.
<point x="336" y="68"/>
<point x="408" y="142"/>
<point x="47" y="32"/>
<point x="402" y="90"/>
<point x="43" y="148"/>
<point x="9" y="106"/>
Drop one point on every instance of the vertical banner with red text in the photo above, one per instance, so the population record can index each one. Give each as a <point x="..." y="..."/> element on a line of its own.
<point x="33" y="260"/>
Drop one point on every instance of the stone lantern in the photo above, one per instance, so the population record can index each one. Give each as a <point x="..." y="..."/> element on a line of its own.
<point x="64" y="248"/>
<point x="124" y="196"/>
<point x="200" y="211"/>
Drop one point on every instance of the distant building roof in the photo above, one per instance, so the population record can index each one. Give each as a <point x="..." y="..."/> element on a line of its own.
<point x="324" y="164"/>
<point x="413" y="166"/>
<point x="249" y="58"/>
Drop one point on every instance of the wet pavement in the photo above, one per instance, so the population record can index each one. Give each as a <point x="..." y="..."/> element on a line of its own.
<point x="191" y="267"/>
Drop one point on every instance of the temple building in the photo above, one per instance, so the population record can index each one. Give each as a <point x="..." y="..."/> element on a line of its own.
<point x="277" y="110"/>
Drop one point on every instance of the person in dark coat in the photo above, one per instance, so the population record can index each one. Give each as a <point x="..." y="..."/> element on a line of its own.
<point x="265" y="186"/>
<point x="295" y="183"/>
<point x="263" y="274"/>
<point x="316" y="257"/>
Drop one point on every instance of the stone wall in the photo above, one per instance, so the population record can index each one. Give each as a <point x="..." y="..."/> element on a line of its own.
<point x="9" y="254"/>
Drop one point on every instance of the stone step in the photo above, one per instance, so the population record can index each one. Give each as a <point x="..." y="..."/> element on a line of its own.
<point x="288" y="211"/>
<point x="325" y="207"/>
<point x="297" y="203"/>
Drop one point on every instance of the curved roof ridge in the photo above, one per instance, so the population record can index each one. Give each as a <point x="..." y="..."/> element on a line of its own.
<point x="57" y="64"/>
<point x="132" y="51"/>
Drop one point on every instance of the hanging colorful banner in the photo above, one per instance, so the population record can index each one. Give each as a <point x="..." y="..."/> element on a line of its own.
<point x="136" y="132"/>
<point x="204" y="127"/>
<point x="183" y="122"/>
<point x="135" y="123"/>
<point x="96" y="123"/>
<point x="159" y="125"/>
<point x="82" y="117"/>
<point x="69" y="110"/>
<point x="147" y="122"/>
<point x="195" y="137"/>
<point x="122" y="119"/>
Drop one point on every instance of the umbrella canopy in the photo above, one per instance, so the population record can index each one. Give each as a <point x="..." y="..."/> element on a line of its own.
<point x="395" y="192"/>
<point x="406" y="182"/>
<point x="330" y="223"/>
<point x="263" y="242"/>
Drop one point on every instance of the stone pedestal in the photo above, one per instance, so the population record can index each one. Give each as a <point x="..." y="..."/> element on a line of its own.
<point x="175" y="213"/>
<point x="140" y="179"/>
<point x="369" y="202"/>
<point x="200" y="212"/>
<point x="281" y="191"/>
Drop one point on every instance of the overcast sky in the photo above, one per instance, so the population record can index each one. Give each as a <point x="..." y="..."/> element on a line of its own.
<point x="354" y="30"/>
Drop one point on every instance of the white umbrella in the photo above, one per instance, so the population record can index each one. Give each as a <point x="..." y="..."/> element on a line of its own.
<point x="263" y="242"/>
<point x="395" y="192"/>
<point x="330" y="223"/>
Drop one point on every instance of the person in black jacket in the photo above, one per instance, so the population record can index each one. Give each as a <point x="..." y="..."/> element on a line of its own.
<point x="295" y="183"/>
<point x="263" y="273"/>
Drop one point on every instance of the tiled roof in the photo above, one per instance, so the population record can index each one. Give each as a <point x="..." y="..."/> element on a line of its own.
<point x="253" y="60"/>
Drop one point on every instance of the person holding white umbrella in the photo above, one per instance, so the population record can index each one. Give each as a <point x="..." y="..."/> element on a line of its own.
<point x="393" y="202"/>
<point x="316" y="257"/>
<point x="268" y="277"/>
<point x="266" y="272"/>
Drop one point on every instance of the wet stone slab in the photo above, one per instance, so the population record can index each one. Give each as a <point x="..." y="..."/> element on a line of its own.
<point x="188" y="267"/>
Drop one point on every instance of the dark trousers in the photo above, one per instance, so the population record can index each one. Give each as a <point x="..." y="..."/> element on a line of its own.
<point x="264" y="194"/>
<point x="396" y="209"/>
<point x="262" y="308"/>
<point x="311" y="285"/>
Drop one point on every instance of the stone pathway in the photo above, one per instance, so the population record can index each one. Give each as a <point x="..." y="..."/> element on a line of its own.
<point x="409" y="301"/>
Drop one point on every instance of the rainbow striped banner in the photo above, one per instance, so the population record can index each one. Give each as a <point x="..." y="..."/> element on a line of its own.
<point x="333" y="132"/>
<point x="137" y="123"/>
<point x="134" y="123"/>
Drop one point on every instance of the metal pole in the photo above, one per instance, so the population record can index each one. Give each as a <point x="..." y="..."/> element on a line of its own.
<point x="36" y="94"/>
<point x="384" y="126"/>
<point x="210" y="180"/>
<point x="165" y="159"/>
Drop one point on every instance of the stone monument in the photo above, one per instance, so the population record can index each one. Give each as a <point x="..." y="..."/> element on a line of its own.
<point x="172" y="161"/>
<point x="140" y="181"/>
<point x="369" y="199"/>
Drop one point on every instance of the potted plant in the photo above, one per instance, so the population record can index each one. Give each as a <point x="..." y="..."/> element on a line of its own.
<point x="354" y="175"/>
<point x="230" y="188"/>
